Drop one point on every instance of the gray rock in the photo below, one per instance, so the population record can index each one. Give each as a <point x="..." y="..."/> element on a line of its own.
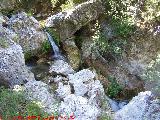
<point x="63" y="90"/>
<point x="39" y="92"/>
<point x="12" y="64"/>
<point x="140" y="107"/>
<point x="80" y="107"/>
<point x="67" y="23"/>
<point x="82" y="76"/>
<point x="72" y="52"/>
<point x="61" y="67"/>
<point x="29" y="33"/>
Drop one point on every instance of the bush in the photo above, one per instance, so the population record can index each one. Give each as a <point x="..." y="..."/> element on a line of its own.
<point x="13" y="103"/>
<point x="113" y="88"/>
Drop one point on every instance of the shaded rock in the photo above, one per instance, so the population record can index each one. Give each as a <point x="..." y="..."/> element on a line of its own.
<point x="139" y="108"/>
<point x="61" y="67"/>
<point x="40" y="92"/>
<point x="80" y="107"/>
<point x="12" y="64"/>
<point x="73" y="53"/>
<point x="8" y="5"/>
<point x="29" y="33"/>
<point x="67" y="23"/>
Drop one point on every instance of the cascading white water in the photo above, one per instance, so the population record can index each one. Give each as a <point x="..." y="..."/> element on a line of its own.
<point x="57" y="54"/>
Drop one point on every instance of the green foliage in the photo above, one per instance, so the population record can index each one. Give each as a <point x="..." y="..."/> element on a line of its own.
<point x="122" y="28"/>
<point x="104" y="117"/>
<point x="54" y="35"/>
<point x="13" y="103"/>
<point x="27" y="55"/>
<point x="46" y="47"/>
<point x="152" y="76"/>
<point x="115" y="47"/>
<point x="114" y="88"/>
<point x="3" y="43"/>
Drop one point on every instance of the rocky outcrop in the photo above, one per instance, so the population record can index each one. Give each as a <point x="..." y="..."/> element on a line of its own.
<point x="65" y="24"/>
<point x="80" y="92"/>
<point x="40" y="93"/>
<point x="73" y="53"/>
<point x="29" y="33"/>
<point x="141" y="107"/>
<point x="12" y="64"/>
<point x="61" y="67"/>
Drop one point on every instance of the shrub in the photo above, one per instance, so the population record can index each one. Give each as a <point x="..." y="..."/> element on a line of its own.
<point x="113" y="88"/>
<point x="13" y="103"/>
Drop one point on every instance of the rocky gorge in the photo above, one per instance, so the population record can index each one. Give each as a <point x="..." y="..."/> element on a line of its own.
<point x="56" y="58"/>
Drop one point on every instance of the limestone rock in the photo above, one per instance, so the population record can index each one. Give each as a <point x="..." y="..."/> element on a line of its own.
<point x="63" y="90"/>
<point x="82" y="76"/>
<point x="29" y="33"/>
<point x="12" y="64"/>
<point x="73" y="53"/>
<point x="61" y="67"/>
<point x="40" y="92"/>
<point x="67" y="23"/>
<point x="140" y="107"/>
<point x="80" y="107"/>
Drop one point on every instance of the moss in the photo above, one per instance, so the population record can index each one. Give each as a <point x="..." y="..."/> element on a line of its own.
<point x="54" y="35"/>
<point x="27" y="55"/>
<point x="114" y="88"/>
<point x="3" y="43"/>
<point x="46" y="47"/>
<point x="13" y="103"/>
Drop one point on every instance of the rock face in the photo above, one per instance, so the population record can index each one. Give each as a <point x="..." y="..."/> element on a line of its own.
<point x="61" y="67"/>
<point x="141" y="107"/>
<point x="35" y="7"/>
<point x="8" y="5"/>
<point x="82" y="95"/>
<point x="29" y="34"/>
<point x="80" y="107"/>
<point x="39" y="92"/>
<point x="73" y="53"/>
<point x="12" y="64"/>
<point x="67" y="23"/>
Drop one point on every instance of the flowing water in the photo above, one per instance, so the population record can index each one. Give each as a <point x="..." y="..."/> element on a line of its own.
<point x="55" y="48"/>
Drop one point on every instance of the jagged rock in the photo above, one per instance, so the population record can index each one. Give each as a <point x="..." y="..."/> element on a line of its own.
<point x="67" y="23"/>
<point x="73" y="53"/>
<point x="40" y="93"/>
<point x="63" y="90"/>
<point x="141" y="107"/>
<point x="61" y="67"/>
<point x="82" y="76"/>
<point x="80" y="107"/>
<point x="12" y="64"/>
<point x="29" y="33"/>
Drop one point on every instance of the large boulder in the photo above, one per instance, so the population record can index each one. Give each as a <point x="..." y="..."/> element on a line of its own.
<point x="29" y="33"/>
<point x="12" y="64"/>
<point x="141" y="107"/>
<point x="41" y="93"/>
<point x="65" y="24"/>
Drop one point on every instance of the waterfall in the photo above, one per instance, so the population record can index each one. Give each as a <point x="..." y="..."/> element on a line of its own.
<point x="57" y="54"/>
